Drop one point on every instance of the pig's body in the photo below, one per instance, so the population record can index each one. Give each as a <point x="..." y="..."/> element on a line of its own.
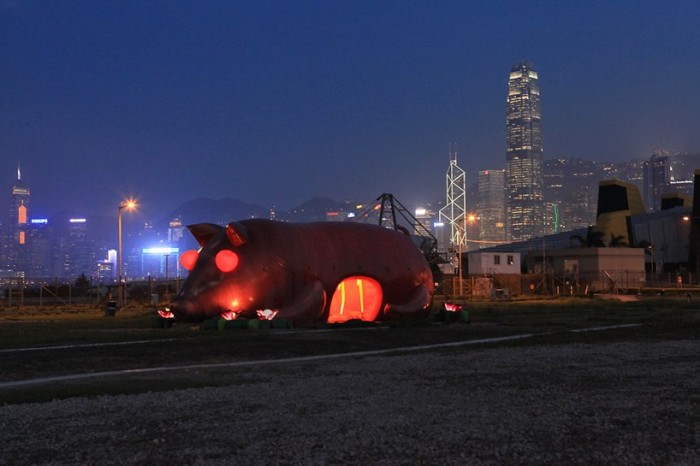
<point x="296" y="269"/>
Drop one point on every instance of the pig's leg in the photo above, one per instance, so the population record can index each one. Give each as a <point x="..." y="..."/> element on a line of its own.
<point x="308" y="306"/>
<point x="418" y="301"/>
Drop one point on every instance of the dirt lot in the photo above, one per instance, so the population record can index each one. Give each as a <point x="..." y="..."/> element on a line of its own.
<point x="625" y="395"/>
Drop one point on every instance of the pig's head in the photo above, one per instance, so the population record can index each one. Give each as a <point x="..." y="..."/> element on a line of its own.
<point x="224" y="279"/>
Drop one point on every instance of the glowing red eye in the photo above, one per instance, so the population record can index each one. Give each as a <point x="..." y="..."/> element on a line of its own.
<point x="226" y="260"/>
<point x="188" y="259"/>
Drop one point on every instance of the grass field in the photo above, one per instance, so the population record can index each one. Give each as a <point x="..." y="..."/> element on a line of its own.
<point x="55" y="342"/>
<point x="34" y="326"/>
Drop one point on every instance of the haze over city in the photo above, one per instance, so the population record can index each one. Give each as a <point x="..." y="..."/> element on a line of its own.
<point x="275" y="102"/>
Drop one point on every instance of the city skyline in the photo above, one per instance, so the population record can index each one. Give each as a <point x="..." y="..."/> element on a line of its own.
<point x="273" y="104"/>
<point x="651" y="175"/>
<point x="69" y="246"/>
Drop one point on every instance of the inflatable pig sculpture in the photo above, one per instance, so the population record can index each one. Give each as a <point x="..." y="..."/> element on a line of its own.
<point x="313" y="272"/>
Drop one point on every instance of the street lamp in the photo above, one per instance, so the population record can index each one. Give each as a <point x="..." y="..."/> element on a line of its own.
<point x="693" y="249"/>
<point x="461" y="241"/>
<point x="474" y="219"/>
<point x="129" y="204"/>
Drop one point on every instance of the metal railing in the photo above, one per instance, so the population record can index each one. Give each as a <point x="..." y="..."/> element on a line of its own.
<point x="18" y="292"/>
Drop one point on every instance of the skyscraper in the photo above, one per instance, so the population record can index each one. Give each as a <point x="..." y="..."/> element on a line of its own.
<point x="571" y="186"/>
<point x="668" y="172"/>
<point x="491" y="207"/>
<point x="524" y="201"/>
<point x="17" y="225"/>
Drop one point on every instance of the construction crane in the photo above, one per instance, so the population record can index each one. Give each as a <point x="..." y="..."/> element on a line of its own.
<point x="388" y="212"/>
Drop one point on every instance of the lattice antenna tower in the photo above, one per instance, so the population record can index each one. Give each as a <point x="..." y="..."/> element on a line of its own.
<point x="455" y="209"/>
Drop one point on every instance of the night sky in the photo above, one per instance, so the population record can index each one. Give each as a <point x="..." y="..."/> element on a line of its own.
<point x="275" y="102"/>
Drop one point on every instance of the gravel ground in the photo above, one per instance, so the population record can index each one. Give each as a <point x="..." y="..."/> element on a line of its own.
<point x="603" y="403"/>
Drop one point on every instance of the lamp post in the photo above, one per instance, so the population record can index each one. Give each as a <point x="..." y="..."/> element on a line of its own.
<point x="460" y="234"/>
<point x="693" y="249"/>
<point x="128" y="205"/>
<point x="472" y="219"/>
<point x="167" y="292"/>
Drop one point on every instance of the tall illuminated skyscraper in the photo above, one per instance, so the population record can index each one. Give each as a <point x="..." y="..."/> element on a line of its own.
<point x="524" y="201"/>
<point x="17" y="226"/>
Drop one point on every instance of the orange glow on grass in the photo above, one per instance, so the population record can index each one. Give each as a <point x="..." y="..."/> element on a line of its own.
<point x="356" y="298"/>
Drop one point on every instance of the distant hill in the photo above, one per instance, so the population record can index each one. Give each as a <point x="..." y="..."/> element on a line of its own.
<point x="221" y="211"/>
<point x="317" y="208"/>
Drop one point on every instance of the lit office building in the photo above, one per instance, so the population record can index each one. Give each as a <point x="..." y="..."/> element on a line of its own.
<point x="425" y="217"/>
<point x="38" y="256"/>
<point x="667" y="173"/>
<point x="491" y="207"/>
<point x="176" y="231"/>
<point x="524" y="201"/>
<point x="630" y="171"/>
<point x="74" y="251"/>
<point x="571" y="190"/>
<point x="160" y="262"/>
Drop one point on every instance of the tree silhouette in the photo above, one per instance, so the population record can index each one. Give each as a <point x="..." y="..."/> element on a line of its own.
<point x="617" y="241"/>
<point x="593" y="238"/>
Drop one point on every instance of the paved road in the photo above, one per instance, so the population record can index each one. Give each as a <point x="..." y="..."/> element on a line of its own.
<point x="604" y="402"/>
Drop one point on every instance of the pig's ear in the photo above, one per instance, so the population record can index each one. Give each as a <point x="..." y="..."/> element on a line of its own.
<point x="203" y="232"/>
<point x="236" y="234"/>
